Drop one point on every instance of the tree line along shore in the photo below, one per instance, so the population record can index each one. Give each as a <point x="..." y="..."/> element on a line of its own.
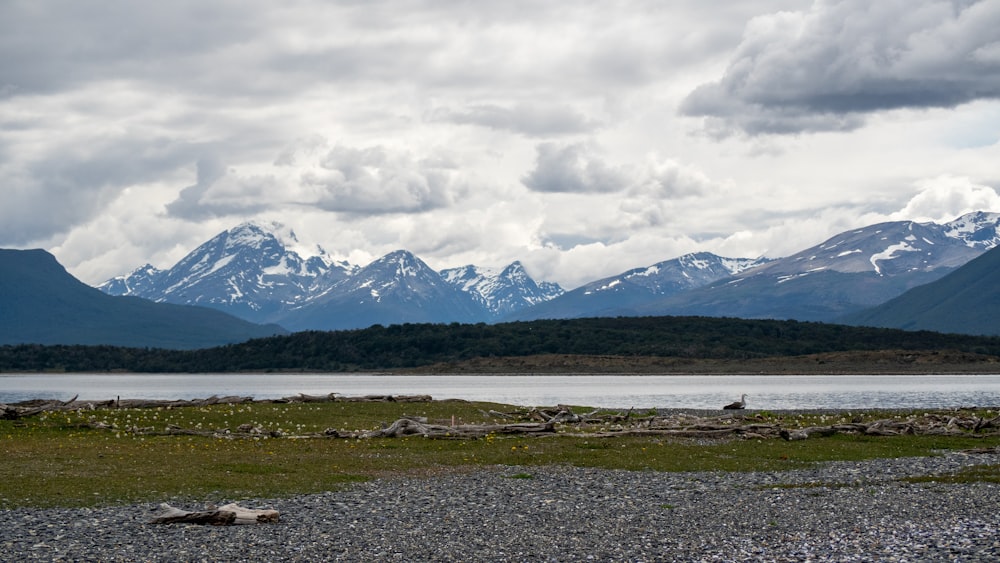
<point x="597" y="345"/>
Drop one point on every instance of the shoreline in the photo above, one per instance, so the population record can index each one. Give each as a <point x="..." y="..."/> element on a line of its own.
<point x="881" y="362"/>
<point x="878" y="362"/>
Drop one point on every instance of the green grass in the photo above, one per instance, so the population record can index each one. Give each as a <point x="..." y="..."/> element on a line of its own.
<point x="977" y="474"/>
<point x="59" y="459"/>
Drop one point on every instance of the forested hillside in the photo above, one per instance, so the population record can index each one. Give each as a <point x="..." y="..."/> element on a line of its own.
<point x="414" y="345"/>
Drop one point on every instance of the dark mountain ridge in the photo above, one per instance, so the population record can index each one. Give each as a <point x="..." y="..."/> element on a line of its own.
<point x="42" y="303"/>
<point x="966" y="301"/>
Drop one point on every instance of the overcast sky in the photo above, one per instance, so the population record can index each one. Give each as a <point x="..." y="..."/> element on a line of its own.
<point x="583" y="138"/>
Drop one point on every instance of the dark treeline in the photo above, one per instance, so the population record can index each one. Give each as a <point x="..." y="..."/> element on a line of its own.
<point x="414" y="345"/>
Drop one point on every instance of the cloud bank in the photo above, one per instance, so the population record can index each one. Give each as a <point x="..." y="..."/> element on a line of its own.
<point x="827" y="68"/>
<point x="583" y="138"/>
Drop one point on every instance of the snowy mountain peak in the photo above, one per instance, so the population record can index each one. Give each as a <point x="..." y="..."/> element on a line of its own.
<point x="977" y="229"/>
<point x="136" y="282"/>
<point x="888" y="249"/>
<point x="249" y="270"/>
<point x="501" y="291"/>
<point x="514" y="270"/>
<point x="257" y="233"/>
<point x="404" y="263"/>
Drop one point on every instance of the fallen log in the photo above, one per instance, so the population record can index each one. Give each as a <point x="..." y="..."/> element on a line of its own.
<point x="806" y="433"/>
<point x="31" y="408"/>
<point x="387" y="399"/>
<point x="226" y="515"/>
<point x="412" y="427"/>
<point x="982" y="423"/>
<point x="303" y="398"/>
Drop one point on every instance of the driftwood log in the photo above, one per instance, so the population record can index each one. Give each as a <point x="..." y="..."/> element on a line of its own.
<point x="31" y="408"/>
<point x="543" y="421"/>
<point x="413" y="427"/>
<point x="336" y="397"/>
<point x="614" y="425"/>
<point x="227" y="515"/>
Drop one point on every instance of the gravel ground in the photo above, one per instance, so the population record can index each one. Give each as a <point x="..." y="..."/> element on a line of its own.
<point x="843" y="511"/>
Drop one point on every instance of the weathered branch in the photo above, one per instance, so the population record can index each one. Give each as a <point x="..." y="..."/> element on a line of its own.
<point x="222" y="516"/>
<point x="31" y="408"/>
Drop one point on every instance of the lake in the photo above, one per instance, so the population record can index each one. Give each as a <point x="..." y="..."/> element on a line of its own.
<point x="613" y="391"/>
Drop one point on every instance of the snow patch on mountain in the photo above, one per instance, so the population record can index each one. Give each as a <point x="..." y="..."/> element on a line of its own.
<point x="890" y="253"/>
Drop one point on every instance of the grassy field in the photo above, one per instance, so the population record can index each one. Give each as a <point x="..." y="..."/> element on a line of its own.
<point x="96" y="458"/>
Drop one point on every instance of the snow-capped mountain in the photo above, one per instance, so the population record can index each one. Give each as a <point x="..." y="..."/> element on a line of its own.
<point x="140" y="282"/>
<point x="256" y="271"/>
<point x="618" y="295"/>
<point x="249" y="271"/>
<point x="501" y="291"/>
<point x="397" y="288"/>
<point x="851" y="271"/>
<point x="978" y="229"/>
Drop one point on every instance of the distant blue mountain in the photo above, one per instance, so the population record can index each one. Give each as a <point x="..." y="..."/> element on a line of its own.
<point x="847" y="273"/>
<point x="41" y="303"/>
<point x="623" y="294"/>
<point x="966" y="301"/>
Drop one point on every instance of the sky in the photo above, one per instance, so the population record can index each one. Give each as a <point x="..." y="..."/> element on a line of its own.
<point x="582" y="138"/>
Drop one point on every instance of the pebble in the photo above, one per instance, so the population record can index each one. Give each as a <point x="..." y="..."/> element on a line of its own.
<point x="838" y="511"/>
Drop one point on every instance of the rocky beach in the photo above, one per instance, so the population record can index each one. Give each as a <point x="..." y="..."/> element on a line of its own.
<point x="838" y="511"/>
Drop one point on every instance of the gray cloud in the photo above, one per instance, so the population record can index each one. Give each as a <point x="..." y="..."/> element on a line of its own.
<point x="534" y="120"/>
<point x="580" y="168"/>
<point x="70" y="183"/>
<point x="189" y="203"/>
<point x="574" y="168"/>
<point x="69" y="43"/>
<point x="669" y="179"/>
<point x="221" y="192"/>
<point x="379" y="180"/>
<point x="111" y="113"/>
<point x="825" y="69"/>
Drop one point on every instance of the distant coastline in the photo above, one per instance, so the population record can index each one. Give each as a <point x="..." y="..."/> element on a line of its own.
<point x="881" y="362"/>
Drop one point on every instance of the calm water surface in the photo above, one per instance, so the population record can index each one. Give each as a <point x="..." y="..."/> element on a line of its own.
<point x="617" y="391"/>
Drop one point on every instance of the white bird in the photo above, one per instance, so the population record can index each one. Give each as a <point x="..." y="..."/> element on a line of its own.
<point x="741" y="404"/>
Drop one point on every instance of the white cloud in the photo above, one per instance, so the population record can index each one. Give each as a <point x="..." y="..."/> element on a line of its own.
<point x="944" y="198"/>
<point x="488" y="132"/>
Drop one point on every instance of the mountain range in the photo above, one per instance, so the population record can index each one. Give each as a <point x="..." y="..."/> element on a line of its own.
<point x="252" y="271"/>
<point x="261" y="281"/>
<point x="845" y="274"/>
